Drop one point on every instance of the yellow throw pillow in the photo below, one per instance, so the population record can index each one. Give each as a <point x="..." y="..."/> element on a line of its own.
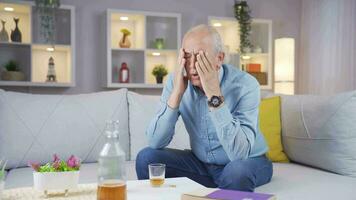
<point x="270" y="126"/>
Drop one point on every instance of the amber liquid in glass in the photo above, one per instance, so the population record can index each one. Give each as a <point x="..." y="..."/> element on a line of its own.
<point x="116" y="191"/>
<point x="156" y="182"/>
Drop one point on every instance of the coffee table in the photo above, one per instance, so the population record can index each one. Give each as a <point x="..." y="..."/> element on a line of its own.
<point x="136" y="190"/>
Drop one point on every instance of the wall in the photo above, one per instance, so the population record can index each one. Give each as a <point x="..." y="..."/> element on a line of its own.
<point x="90" y="40"/>
<point x="328" y="41"/>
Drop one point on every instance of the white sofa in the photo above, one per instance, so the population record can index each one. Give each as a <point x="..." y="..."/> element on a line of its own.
<point x="33" y="127"/>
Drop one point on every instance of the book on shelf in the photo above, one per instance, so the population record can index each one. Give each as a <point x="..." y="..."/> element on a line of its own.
<point x="221" y="194"/>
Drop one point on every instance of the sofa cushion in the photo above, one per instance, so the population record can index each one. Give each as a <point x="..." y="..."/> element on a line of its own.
<point x="142" y="109"/>
<point x="270" y="126"/>
<point x="34" y="127"/>
<point x="22" y="177"/>
<point x="293" y="182"/>
<point x="320" y="131"/>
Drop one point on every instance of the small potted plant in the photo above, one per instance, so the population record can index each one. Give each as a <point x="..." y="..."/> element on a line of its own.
<point x="159" y="71"/>
<point x="56" y="175"/>
<point x="12" y="72"/>
<point x="125" y="42"/>
<point x="2" y="176"/>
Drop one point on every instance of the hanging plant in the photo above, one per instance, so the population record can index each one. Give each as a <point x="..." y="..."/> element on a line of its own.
<point x="242" y="14"/>
<point x="46" y="10"/>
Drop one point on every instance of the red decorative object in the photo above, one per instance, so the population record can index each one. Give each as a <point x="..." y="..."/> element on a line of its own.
<point x="124" y="73"/>
<point x="254" y="67"/>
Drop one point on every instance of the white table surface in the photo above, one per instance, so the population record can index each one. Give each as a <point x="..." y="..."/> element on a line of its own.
<point x="171" y="190"/>
<point x="136" y="190"/>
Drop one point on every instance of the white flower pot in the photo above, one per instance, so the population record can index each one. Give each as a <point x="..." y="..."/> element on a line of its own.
<point x="2" y="183"/>
<point x="55" y="180"/>
<point x="12" y="76"/>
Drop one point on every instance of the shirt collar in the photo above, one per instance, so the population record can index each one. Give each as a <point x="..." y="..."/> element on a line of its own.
<point x="221" y="73"/>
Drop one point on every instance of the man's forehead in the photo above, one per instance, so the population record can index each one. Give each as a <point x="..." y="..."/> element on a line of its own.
<point x="192" y="43"/>
<point x="191" y="47"/>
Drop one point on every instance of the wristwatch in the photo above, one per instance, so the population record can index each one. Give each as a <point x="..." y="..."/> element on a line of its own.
<point x="215" y="101"/>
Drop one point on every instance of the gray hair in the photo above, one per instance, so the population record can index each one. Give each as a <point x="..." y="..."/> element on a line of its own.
<point x="215" y="36"/>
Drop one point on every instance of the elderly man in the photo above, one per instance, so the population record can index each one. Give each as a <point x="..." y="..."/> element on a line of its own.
<point x="219" y="106"/>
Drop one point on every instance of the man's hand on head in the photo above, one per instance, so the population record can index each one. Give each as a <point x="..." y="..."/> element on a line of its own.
<point x="179" y="83"/>
<point x="209" y="74"/>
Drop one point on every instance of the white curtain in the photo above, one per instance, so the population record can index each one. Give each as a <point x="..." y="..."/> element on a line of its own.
<point x="328" y="47"/>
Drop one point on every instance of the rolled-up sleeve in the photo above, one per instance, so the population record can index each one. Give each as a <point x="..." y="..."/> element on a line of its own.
<point x="161" y="129"/>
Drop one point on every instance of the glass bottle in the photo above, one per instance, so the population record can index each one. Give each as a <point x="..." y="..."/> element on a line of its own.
<point x="124" y="73"/>
<point x="111" y="173"/>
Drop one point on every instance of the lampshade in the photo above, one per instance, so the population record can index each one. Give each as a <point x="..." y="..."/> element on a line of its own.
<point x="284" y="65"/>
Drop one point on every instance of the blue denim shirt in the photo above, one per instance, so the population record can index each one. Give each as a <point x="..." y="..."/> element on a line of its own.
<point x="219" y="136"/>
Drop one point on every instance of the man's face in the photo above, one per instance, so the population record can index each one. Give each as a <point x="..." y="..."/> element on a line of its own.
<point x="192" y="44"/>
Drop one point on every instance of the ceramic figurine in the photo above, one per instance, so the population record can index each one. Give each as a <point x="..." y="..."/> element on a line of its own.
<point x="51" y="74"/>
<point x="125" y="41"/>
<point x="4" y="36"/>
<point x="16" y="35"/>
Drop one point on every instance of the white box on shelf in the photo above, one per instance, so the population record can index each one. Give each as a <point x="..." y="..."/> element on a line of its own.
<point x="145" y="28"/>
<point x="62" y="60"/>
<point x="261" y="39"/>
<point x="20" y="11"/>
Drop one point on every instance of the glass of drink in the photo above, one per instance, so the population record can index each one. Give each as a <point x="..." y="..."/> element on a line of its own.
<point x="157" y="172"/>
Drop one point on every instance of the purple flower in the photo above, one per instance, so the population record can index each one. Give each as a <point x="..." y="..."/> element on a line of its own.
<point x="56" y="165"/>
<point x="56" y="158"/>
<point x="35" y="165"/>
<point x="73" y="162"/>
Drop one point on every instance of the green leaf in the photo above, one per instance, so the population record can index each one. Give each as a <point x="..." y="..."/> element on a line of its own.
<point x="159" y="71"/>
<point x="2" y="175"/>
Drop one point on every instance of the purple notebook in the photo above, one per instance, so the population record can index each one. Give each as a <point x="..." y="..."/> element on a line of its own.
<point x="238" y="195"/>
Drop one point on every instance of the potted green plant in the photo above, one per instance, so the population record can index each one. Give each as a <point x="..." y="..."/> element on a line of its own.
<point x="159" y="71"/>
<point x="12" y="72"/>
<point x="243" y="16"/>
<point x="45" y="11"/>
<point x="56" y="175"/>
<point x="125" y="42"/>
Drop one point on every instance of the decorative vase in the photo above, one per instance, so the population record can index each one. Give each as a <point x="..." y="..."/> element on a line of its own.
<point x="125" y="42"/>
<point x="4" y="36"/>
<point x="16" y="35"/>
<point x="159" y="79"/>
<point x="124" y="73"/>
<point x="51" y="73"/>
<point x="257" y="49"/>
<point x="12" y="76"/>
<point x="159" y="43"/>
<point x="246" y="50"/>
<point x="46" y="181"/>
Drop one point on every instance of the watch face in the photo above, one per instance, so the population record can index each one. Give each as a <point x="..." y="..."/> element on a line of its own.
<point x="215" y="101"/>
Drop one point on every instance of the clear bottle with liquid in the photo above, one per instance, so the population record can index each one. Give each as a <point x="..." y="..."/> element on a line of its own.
<point x="111" y="172"/>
